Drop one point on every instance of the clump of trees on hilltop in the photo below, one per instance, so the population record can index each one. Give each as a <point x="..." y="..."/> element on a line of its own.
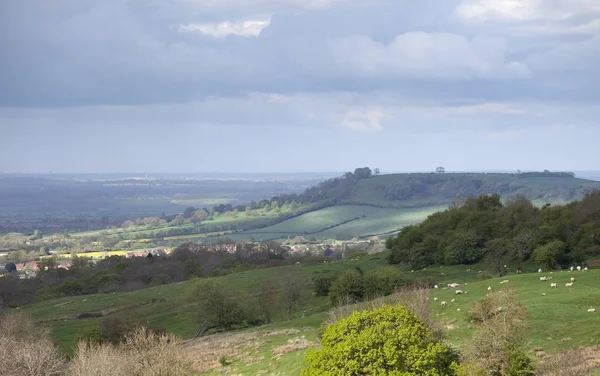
<point x="485" y="228"/>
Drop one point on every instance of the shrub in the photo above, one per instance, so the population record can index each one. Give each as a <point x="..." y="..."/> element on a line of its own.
<point x="382" y="282"/>
<point x="349" y="287"/>
<point x="26" y="348"/>
<point x="323" y="285"/>
<point x="496" y="344"/>
<point x="142" y="353"/>
<point x="387" y="340"/>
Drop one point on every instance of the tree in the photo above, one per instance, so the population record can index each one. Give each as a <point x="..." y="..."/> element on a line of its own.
<point x="267" y="297"/>
<point x="292" y="285"/>
<point x="348" y="288"/>
<point x="10" y="267"/>
<point x="496" y="249"/>
<point x="188" y="212"/>
<point x="440" y="170"/>
<point x="216" y="309"/>
<point x="376" y="172"/>
<point x="389" y="340"/>
<point x="549" y="254"/>
<point x="323" y="285"/>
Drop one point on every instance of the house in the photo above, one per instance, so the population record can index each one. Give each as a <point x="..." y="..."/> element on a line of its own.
<point x="65" y="265"/>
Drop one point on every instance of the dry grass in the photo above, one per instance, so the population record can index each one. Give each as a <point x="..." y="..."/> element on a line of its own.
<point x="415" y="299"/>
<point x="141" y="354"/>
<point x="576" y="362"/>
<point x="26" y="348"/>
<point x="293" y="344"/>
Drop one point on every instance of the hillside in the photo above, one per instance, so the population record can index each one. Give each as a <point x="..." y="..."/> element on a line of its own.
<point x="415" y="190"/>
<point x="559" y="319"/>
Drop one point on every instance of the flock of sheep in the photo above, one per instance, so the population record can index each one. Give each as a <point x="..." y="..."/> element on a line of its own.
<point x="545" y="278"/>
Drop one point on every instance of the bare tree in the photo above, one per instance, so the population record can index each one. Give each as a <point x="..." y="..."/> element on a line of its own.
<point x="292" y="285"/>
<point x="267" y="297"/>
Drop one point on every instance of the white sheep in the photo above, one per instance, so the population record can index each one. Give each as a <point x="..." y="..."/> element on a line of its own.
<point x="453" y="285"/>
<point x="458" y="292"/>
<point x="553" y="285"/>
<point x="452" y="301"/>
<point x="578" y="268"/>
<point x="572" y="279"/>
<point x="539" y="270"/>
<point x="503" y="282"/>
<point x="570" y="284"/>
<point x="458" y="310"/>
<point x="572" y="268"/>
<point x="466" y="292"/>
<point x="444" y="303"/>
<point x="585" y="269"/>
<point x="543" y="294"/>
<point x="435" y="299"/>
<point x="435" y="286"/>
<point x="489" y="288"/>
<point x="543" y="278"/>
<point x="592" y="310"/>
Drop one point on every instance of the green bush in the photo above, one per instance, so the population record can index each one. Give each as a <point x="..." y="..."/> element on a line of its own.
<point x="349" y="288"/>
<point x="389" y="340"/>
<point x="323" y="285"/>
<point x="382" y="282"/>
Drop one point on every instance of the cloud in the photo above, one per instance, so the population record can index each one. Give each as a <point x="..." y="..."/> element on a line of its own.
<point x="365" y="119"/>
<point x="429" y="55"/>
<point x="524" y="10"/>
<point x="246" y="28"/>
<point x="506" y="136"/>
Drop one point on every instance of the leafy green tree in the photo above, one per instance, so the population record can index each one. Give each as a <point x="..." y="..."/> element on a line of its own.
<point x="550" y="254"/>
<point x="323" y="285"/>
<point x="348" y="288"/>
<point x="216" y="308"/>
<point x="389" y="340"/>
<point x="381" y="282"/>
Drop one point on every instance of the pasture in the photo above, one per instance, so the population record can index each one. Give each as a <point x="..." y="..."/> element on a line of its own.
<point x="355" y="220"/>
<point x="559" y="320"/>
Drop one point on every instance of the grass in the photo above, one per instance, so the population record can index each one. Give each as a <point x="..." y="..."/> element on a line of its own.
<point x="360" y="220"/>
<point x="558" y="320"/>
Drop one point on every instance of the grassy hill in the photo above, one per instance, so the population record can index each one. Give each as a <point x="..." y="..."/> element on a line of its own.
<point x="559" y="320"/>
<point x="346" y="220"/>
<point x="417" y="190"/>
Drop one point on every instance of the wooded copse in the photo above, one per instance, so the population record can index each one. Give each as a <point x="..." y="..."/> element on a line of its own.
<point x="486" y="228"/>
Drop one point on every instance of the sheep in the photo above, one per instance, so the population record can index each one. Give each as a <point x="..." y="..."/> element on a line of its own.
<point x="458" y="292"/>
<point x="435" y="286"/>
<point x="553" y="285"/>
<point x="444" y="303"/>
<point x="458" y="310"/>
<point x="592" y="310"/>
<point x="453" y="285"/>
<point x="466" y="292"/>
<point x="572" y="279"/>
<point x="505" y="281"/>
<point x="543" y="278"/>
<point x="585" y="269"/>
<point x="578" y="268"/>
<point x="435" y="299"/>
<point x="572" y="268"/>
<point x="489" y="288"/>
<point x="570" y="284"/>
<point x="452" y="301"/>
<point x="543" y="294"/>
<point x="539" y="270"/>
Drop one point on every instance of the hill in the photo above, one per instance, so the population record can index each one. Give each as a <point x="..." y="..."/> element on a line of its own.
<point x="559" y="319"/>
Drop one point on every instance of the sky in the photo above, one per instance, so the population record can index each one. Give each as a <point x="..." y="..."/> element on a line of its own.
<point x="298" y="85"/>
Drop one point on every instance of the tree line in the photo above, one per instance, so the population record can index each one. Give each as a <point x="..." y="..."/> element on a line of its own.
<point x="484" y="228"/>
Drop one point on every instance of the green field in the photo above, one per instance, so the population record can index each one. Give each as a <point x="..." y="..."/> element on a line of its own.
<point x="359" y="220"/>
<point x="558" y="320"/>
